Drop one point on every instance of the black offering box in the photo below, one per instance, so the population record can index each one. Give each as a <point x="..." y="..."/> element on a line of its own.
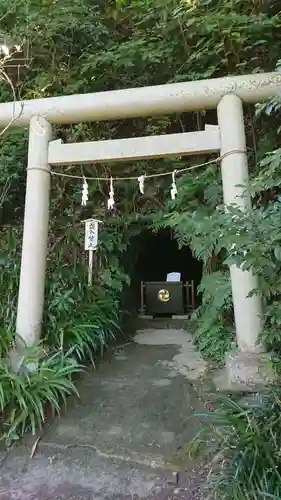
<point x="162" y="297"/>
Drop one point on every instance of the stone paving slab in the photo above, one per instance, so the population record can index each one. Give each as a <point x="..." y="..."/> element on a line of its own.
<point x="73" y="473"/>
<point x="120" y="440"/>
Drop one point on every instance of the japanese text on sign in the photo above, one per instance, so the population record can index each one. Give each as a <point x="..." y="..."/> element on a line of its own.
<point x="91" y="234"/>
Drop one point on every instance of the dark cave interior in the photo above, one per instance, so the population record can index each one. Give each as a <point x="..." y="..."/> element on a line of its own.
<point x="151" y="256"/>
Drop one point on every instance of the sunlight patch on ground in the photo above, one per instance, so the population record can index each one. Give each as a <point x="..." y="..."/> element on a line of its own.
<point x="187" y="362"/>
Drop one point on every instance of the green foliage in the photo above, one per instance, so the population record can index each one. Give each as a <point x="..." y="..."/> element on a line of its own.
<point x="32" y="387"/>
<point x="246" y="437"/>
<point x="87" y="328"/>
<point x="83" y="47"/>
<point x="213" y="336"/>
<point x="9" y="278"/>
<point x="76" y="317"/>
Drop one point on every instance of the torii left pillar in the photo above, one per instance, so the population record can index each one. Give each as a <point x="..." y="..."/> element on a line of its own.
<point x="35" y="234"/>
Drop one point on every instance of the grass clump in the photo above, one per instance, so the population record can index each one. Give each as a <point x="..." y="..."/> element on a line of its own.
<point x="33" y="386"/>
<point x="246" y="437"/>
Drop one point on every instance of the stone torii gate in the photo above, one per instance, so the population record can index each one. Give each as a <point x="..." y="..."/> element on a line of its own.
<point x="226" y="94"/>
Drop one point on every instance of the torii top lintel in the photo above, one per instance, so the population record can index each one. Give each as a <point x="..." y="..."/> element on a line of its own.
<point x="142" y="101"/>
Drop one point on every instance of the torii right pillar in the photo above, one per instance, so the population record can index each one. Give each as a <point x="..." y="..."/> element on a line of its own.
<point x="248" y="367"/>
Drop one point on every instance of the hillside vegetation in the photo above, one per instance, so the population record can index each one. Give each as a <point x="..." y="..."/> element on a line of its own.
<point x="82" y="46"/>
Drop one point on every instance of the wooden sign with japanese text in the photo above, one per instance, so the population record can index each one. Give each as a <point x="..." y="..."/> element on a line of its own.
<point x="91" y="234"/>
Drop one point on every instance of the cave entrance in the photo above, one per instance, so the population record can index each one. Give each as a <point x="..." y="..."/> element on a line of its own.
<point x="151" y="257"/>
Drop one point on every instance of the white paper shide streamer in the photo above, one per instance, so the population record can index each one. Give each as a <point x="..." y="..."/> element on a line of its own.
<point x="110" y="201"/>
<point x="141" y="183"/>
<point x="174" y="190"/>
<point x="85" y="192"/>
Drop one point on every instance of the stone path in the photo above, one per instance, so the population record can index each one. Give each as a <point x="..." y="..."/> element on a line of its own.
<point x="122" y="439"/>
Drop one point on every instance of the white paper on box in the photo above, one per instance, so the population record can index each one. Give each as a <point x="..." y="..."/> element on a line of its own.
<point x="174" y="277"/>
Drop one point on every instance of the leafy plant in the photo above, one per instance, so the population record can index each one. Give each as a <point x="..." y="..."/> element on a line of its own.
<point x="88" y="331"/>
<point x="214" y="335"/>
<point x="33" y="390"/>
<point x="246" y="437"/>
